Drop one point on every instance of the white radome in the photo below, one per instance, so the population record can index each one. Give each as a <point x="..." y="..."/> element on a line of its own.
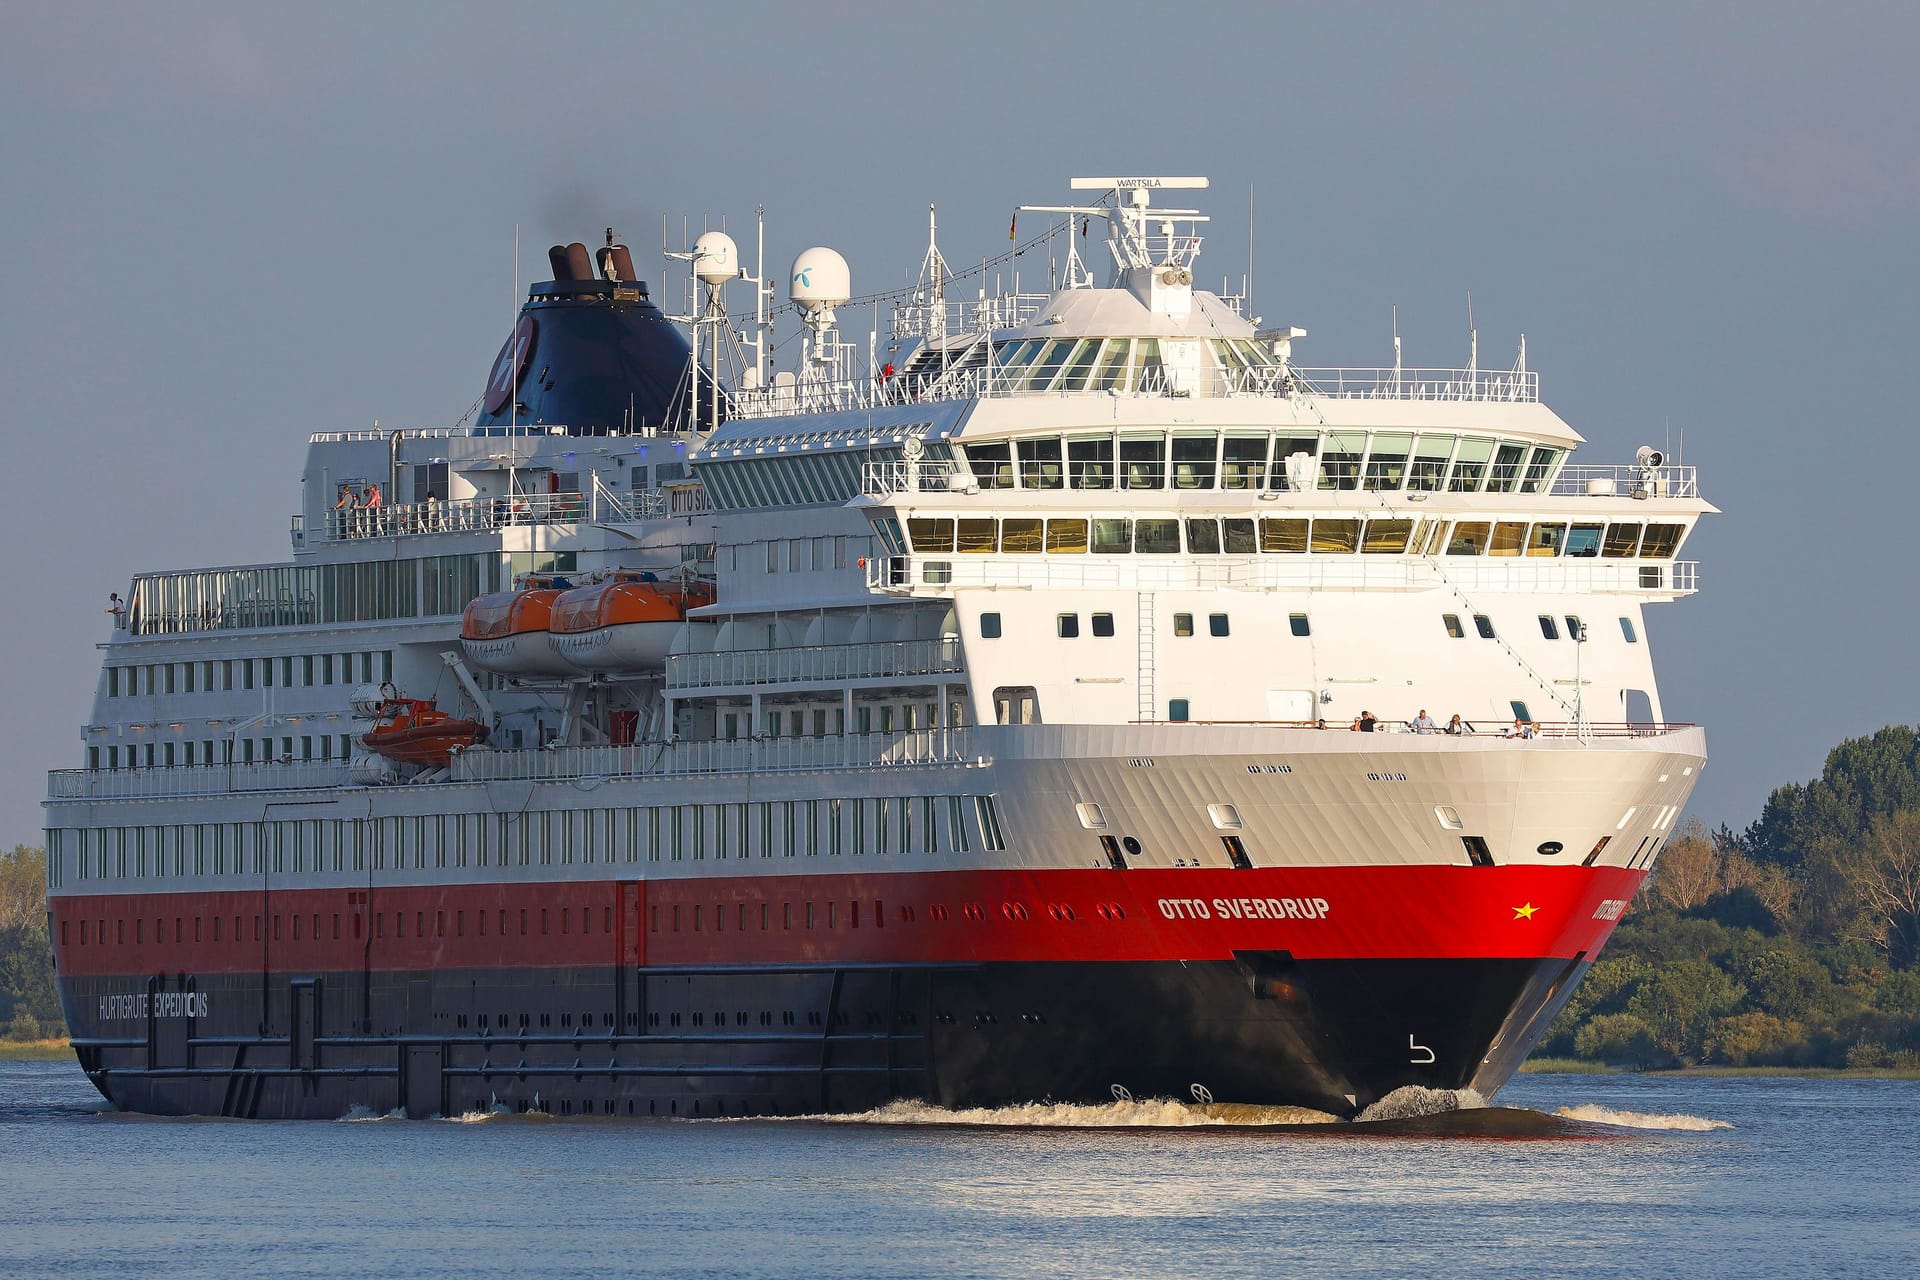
<point x="820" y="281"/>
<point x="716" y="259"/>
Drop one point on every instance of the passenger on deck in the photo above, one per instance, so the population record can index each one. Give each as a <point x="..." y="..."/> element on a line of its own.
<point x="1366" y="723"/>
<point x="1457" y="727"/>
<point x="1319" y="724"/>
<point x="1522" y="729"/>
<point x="1423" y="723"/>
<point x="116" y="608"/>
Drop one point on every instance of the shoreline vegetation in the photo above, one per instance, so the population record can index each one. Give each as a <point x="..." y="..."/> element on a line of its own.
<point x="1790" y="948"/>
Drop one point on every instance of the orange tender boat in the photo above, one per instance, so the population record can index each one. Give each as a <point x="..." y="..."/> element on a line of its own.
<point x="627" y="623"/>
<point x="411" y="731"/>
<point x="507" y="630"/>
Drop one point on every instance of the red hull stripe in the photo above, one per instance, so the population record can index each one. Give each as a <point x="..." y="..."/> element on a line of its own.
<point x="1386" y="912"/>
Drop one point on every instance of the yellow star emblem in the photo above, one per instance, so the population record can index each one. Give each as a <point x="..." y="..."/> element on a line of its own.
<point x="1524" y="912"/>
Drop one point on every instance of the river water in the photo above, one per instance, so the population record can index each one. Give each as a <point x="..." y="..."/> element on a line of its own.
<point x="1591" y="1176"/>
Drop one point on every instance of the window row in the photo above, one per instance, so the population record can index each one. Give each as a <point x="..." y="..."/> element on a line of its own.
<point x="169" y="752"/>
<point x="1286" y="535"/>
<point x="308" y="595"/>
<point x="827" y="478"/>
<point x="1576" y="629"/>
<point x="1067" y="626"/>
<point x="672" y="833"/>
<point x="223" y="675"/>
<point x="1286" y="461"/>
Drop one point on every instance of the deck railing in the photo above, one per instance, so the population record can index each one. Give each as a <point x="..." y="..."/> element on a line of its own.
<point x="737" y="755"/>
<point x="194" y="779"/>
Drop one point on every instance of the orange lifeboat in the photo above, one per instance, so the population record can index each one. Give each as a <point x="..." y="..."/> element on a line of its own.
<point x="411" y="731"/>
<point x="626" y="623"/>
<point x="507" y="630"/>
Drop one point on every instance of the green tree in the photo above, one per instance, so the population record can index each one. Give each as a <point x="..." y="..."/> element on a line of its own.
<point x="29" y="1001"/>
<point x="1680" y="1002"/>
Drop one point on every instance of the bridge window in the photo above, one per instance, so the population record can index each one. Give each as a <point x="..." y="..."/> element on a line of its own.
<point x="1156" y="537"/>
<point x="978" y="537"/>
<point x="1203" y="537"/>
<point x="1193" y="461"/>
<point x="1021" y="537"/>
<point x="1285" y="447"/>
<point x="1243" y="459"/>
<point x="1387" y="464"/>
<point x="1387" y="537"/>
<point x="1090" y="464"/>
<point x="1112" y="537"/>
<point x="1040" y="464"/>
<point x="1622" y="541"/>
<point x="1506" y="468"/>
<point x="1340" y="460"/>
<point x="1143" y="463"/>
<point x="992" y="464"/>
<point x="1067" y="537"/>
<point x="1539" y="466"/>
<point x="930" y="534"/>
<point x="1335" y="537"/>
<point x="1508" y="537"/>
<point x="1470" y="465"/>
<point x="1283" y="537"/>
<point x="1429" y="463"/>
<point x="1236" y="538"/>
<point x="1547" y="540"/>
<point x="1661" y="542"/>
<point x="1583" y="541"/>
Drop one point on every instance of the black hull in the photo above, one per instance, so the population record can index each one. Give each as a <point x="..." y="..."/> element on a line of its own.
<point x="1263" y="1029"/>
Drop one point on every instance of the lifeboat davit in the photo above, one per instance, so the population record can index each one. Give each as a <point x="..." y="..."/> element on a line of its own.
<point x="507" y="631"/>
<point x="411" y="731"/>
<point x="626" y="623"/>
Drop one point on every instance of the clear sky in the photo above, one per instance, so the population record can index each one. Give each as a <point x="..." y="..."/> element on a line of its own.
<point x="222" y="227"/>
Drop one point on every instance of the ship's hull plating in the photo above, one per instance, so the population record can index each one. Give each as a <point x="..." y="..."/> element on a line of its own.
<point x="1260" y="1028"/>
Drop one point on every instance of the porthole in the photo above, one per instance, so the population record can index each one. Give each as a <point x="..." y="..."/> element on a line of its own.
<point x="1131" y="845"/>
<point x="1550" y="847"/>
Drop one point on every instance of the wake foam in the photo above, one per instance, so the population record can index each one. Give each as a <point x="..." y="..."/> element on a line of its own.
<point x="1142" y="1113"/>
<point x="1640" y="1120"/>
<point x="1412" y="1101"/>
<point x="358" y="1114"/>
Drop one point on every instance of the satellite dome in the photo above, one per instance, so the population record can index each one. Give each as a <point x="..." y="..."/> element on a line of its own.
<point x="715" y="258"/>
<point x="820" y="281"/>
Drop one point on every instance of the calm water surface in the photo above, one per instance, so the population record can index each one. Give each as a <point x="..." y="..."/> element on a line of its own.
<point x="1813" y="1177"/>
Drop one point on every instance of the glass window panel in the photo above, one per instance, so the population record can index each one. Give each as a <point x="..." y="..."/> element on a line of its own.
<point x="1429" y="467"/>
<point x="930" y="534"/>
<point x="1048" y="364"/>
<point x="992" y="464"/>
<point x="1452" y="623"/>
<point x="1243" y="461"/>
<point x="1336" y="537"/>
<point x="1193" y="461"/>
<point x="1286" y="536"/>
<point x="1236" y="538"/>
<point x="1015" y="355"/>
<point x="1147" y="372"/>
<point x="1075" y="378"/>
<point x="1340" y="460"/>
<point x="1143" y="463"/>
<point x="1506" y="468"/>
<point x="1112" y="370"/>
<point x="1547" y="540"/>
<point x="1203" y="537"/>
<point x="1090" y="464"/>
<point x="1112" y="537"/>
<point x="1470" y="465"/>
<point x="1539" y="467"/>
<point x="978" y="537"/>
<point x="1387" y="537"/>
<point x="1019" y="536"/>
<point x="1284" y="447"/>
<point x="1469" y="538"/>
<point x="1156" y="537"/>
<point x="1040" y="464"/>
<point x="1387" y="462"/>
<point x="1622" y="541"/>
<point x="1508" y="538"/>
<point x="1583" y="540"/>
<point x="1067" y="537"/>
<point x="1661" y="542"/>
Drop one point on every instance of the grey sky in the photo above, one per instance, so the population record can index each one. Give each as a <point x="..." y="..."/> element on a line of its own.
<point x="223" y="227"/>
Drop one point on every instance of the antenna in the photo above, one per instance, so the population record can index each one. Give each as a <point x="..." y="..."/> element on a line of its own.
<point x="513" y="390"/>
<point x="1473" y="345"/>
<point x="1247" y="287"/>
<point x="1396" y="347"/>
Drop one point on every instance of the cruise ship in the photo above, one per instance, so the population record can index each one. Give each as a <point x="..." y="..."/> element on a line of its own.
<point x="1051" y="695"/>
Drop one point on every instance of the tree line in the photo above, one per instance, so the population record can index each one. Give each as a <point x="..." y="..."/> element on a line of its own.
<point x="29" y="1005"/>
<point x="1793" y="943"/>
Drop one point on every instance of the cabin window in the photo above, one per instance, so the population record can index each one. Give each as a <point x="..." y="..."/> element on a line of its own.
<point x="1548" y="629"/>
<point x="1112" y="537"/>
<point x="1336" y="537"/>
<point x="1067" y="626"/>
<point x="1661" y="542"/>
<point x="1193" y="461"/>
<point x="1387" y="537"/>
<point x="1067" y="537"/>
<point x="1156" y="537"/>
<point x="1182" y="624"/>
<point x="1283" y="537"/>
<point x="1217" y="624"/>
<point x="1040" y="463"/>
<point x="1452" y="623"/>
<point x="1547" y="540"/>
<point x="1090" y="464"/>
<point x="1143" y="463"/>
<point x="989" y="626"/>
<point x="1626" y="630"/>
<point x="1621" y="542"/>
<point x="1021" y="537"/>
<point x="1297" y="624"/>
<point x="1484" y="625"/>
<point x="930" y="534"/>
<point x="1103" y="624"/>
<point x="978" y="537"/>
<point x="1177" y="709"/>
